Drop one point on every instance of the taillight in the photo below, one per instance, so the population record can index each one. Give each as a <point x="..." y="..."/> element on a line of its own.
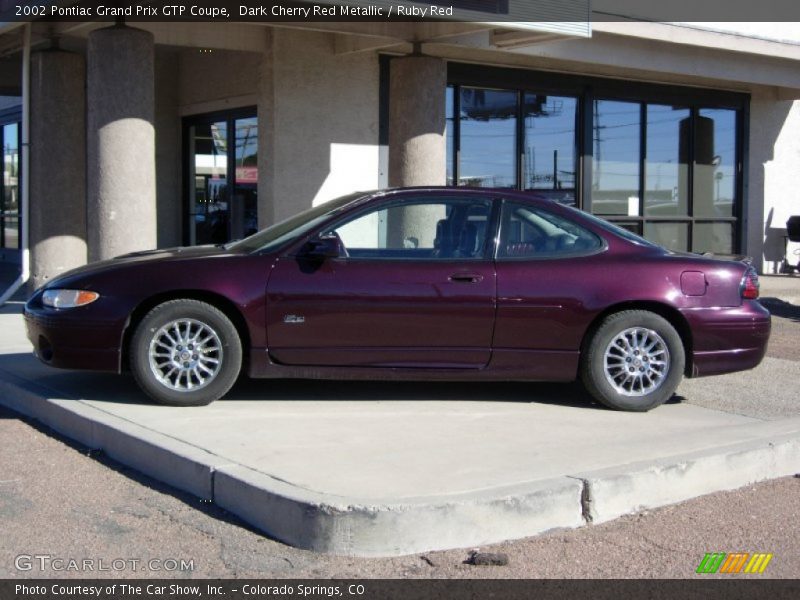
<point x="749" y="286"/>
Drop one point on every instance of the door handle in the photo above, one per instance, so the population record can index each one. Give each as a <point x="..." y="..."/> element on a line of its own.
<point x="465" y="278"/>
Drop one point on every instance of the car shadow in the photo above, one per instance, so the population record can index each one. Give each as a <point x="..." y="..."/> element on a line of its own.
<point x="122" y="389"/>
<point x="780" y="308"/>
<point x="562" y="394"/>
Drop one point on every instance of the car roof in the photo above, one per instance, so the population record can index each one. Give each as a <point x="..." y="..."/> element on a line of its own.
<point x="447" y="189"/>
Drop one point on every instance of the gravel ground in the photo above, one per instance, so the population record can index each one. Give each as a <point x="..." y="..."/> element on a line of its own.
<point x="58" y="499"/>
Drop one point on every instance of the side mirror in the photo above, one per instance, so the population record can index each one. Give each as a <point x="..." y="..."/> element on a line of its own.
<point x="324" y="246"/>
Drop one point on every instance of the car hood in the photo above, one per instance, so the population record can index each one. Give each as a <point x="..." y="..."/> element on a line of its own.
<point x="135" y="258"/>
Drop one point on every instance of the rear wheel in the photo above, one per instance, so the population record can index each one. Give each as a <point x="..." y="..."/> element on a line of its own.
<point x="633" y="361"/>
<point x="185" y="353"/>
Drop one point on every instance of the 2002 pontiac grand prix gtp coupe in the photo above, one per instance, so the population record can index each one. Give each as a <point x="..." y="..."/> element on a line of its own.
<point x="432" y="283"/>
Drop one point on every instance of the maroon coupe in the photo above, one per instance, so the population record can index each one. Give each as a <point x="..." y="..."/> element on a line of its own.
<point x="425" y="283"/>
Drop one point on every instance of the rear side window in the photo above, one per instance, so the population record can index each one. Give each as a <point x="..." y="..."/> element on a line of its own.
<point x="529" y="232"/>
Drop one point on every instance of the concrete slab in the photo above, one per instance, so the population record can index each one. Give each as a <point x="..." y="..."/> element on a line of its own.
<point x="393" y="468"/>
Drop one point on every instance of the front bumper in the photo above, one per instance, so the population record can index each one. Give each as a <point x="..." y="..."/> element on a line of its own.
<point x="726" y="340"/>
<point x="68" y="339"/>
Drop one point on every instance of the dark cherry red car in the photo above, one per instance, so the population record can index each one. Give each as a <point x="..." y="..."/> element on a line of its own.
<point x="424" y="283"/>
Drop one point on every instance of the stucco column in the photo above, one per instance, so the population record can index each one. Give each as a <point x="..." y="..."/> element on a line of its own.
<point x="121" y="168"/>
<point x="57" y="163"/>
<point x="417" y="143"/>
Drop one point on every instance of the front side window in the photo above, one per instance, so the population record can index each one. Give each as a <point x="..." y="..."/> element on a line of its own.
<point x="421" y="229"/>
<point x="274" y="236"/>
<point x="529" y="232"/>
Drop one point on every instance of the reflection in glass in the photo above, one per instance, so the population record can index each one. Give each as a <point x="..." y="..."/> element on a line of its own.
<point x="674" y="236"/>
<point x="615" y="160"/>
<point x="244" y="208"/>
<point x="716" y="238"/>
<point x="223" y="180"/>
<point x="448" y="131"/>
<point x="208" y="183"/>
<point x="549" y="160"/>
<point x="9" y="203"/>
<point x="715" y="163"/>
<point x="667" y="164"/>
<point x="549" y="142"/>
<point x="488" y="138"/>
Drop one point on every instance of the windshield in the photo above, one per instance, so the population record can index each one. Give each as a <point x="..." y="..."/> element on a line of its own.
<point x="278" y="234"/>
<point x="616" y="229"/>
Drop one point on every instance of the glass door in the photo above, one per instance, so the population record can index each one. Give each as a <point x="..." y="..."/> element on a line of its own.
<point x="9" y="196"/>
<point x="221" y="177"/>
<point x="208" y="183"/>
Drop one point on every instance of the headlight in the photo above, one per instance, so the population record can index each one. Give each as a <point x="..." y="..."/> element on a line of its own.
<point x="68" y="298"/>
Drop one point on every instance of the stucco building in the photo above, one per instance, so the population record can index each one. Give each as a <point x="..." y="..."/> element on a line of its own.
<point x="162" y="134"/>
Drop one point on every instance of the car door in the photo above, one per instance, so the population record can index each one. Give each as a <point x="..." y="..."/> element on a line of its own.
<point x="547" y="273"/>
<point x="413" y="286"/>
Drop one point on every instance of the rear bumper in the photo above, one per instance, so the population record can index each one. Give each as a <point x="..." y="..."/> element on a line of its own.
<point x="68" y="343"/>
<point x="728" y="339"/>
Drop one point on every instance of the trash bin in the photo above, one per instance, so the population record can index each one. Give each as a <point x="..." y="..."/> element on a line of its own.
<point x="793" y="228"/>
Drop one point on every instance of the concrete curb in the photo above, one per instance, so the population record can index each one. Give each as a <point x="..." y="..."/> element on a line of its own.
<point x="349" y="526"/>
<point x="611" y="493"/>
<point x="389" y="527"/>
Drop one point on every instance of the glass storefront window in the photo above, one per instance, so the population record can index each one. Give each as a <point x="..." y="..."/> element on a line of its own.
<point x="666" y="191"/>
<point x="615" y="160"/>
<point x="449" y="109"/>
<point x="664" y="164"/>
<point x="488" y="138"/>
<point x="715" y="163"/>
<point x="716" y="238"/>
<point x="549" y="159"/>
<point x="674" y="236"/>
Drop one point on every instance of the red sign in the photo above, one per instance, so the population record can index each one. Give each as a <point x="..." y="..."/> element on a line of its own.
<point x="246" y="174"/>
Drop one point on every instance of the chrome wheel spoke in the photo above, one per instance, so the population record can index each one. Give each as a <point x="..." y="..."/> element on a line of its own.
<point x="636" y="361"/>
<point x="179" y="361"/>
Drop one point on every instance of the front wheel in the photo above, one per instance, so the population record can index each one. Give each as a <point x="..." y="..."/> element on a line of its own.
<point x="634" y="361"/>
<point x="185" y="353"/>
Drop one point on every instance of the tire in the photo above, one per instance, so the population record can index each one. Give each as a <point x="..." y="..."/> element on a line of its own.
<point x="620" y="344"/>
<point x="192" y="365"/>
